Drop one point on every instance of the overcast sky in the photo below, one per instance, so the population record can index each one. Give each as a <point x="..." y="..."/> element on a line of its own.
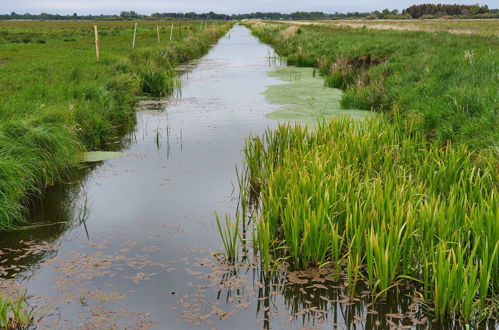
<point x="219" y="6"/>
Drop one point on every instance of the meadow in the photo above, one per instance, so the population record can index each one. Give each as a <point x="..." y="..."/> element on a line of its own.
<point x="486" y="27"/>
<point x="405" y="199"/>
<point x="57" y="101"/>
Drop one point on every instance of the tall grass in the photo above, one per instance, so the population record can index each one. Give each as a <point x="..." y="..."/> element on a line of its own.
<point x="56" y="101"/>
<point x="380" y="203"/>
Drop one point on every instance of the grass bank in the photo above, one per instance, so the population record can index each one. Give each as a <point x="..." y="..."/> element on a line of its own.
<point x="450" y="81"/>
<point x="56" y="100"/>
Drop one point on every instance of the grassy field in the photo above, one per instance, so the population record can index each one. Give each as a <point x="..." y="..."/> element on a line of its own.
<point x="56" y="100"/>
<point x="486" y="27"/>
<point x="407" y="197"/>
<point x="450" y="82"/>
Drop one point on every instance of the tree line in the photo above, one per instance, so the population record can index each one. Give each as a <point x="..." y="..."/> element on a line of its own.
<point x="438" y="10"/>
<point x="124" y="15"/>
<point x="415" y="11"/>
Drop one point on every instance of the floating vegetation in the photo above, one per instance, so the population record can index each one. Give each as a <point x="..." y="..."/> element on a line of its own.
<point x="380" y="205"/>
<point x="99" y="156"/>
<point x="305" y="98"/>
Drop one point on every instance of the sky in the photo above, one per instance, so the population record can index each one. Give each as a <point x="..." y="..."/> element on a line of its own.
<point x="219" y="6"/>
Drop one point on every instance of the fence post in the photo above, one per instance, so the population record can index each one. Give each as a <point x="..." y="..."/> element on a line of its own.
<point x="97" y="50"/>
<point x="157" y="32"/>
<point x="201" y="26"/>
<point x="134" y="34"/>
<point x="171" y="33"/>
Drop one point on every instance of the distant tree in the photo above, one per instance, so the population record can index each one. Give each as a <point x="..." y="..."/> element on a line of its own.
<point x="385" y="12"/>
<point x="475" y="9"/>
<point x="129" y="14"/>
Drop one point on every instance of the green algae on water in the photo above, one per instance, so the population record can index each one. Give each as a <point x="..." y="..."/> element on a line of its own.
<point x="99" y="156"/>
<point x="304" y="98"/>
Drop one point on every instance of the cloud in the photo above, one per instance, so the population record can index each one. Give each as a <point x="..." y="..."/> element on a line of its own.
<point x="219" y="6"/>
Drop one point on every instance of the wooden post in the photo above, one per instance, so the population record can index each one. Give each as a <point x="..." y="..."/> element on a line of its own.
<point x="97" y="50"/>
<point x="157" y="32"/>
<point x="134" y="34"/>
<point x="171" y="33"/>
<point x="201" y="26"/>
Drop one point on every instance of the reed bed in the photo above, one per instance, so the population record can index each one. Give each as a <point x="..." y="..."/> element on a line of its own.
<point x="377" y="203"/>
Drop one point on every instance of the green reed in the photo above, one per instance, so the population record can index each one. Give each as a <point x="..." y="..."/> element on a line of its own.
<point x="376" y="202"/>
<point x="229" y="232"/>
<point x="14" y="313"/>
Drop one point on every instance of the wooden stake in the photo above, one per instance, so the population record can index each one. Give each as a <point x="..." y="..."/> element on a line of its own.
<point x="171" y="33"/>
<point x="157" y="31"/>
<point x="201" y="26"/>
<point x="134" y="34"/>
<point x="97" y="50"/>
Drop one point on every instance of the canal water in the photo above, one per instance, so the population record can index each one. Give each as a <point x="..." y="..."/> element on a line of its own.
<point x="133" y="242"/>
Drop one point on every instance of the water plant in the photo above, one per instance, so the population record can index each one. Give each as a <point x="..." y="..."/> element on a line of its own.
<point x="14" y="313"/>
<point x="379" y="203"/>
<point x="229" y="232"/>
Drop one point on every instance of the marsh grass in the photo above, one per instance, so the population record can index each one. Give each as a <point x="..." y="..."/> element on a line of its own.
<point x="379" y="204"/>
<point x="450" y="81"/>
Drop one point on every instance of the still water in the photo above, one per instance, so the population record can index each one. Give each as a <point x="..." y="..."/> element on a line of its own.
<point x="132" y="242"/>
